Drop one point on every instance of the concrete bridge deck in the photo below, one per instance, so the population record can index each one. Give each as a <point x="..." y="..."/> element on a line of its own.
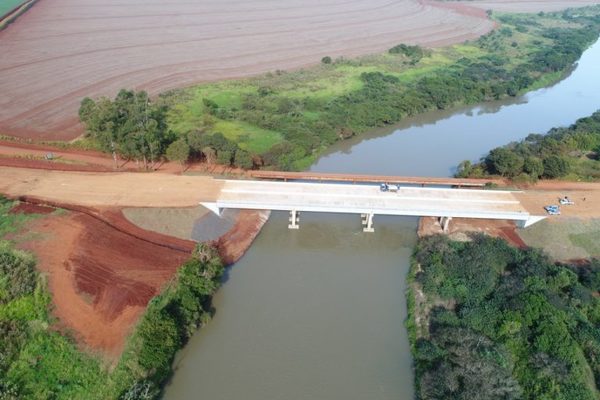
<point x="368" y="200"/>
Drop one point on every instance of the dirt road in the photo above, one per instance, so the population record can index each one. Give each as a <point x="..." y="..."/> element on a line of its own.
<point x="118" y="189"/>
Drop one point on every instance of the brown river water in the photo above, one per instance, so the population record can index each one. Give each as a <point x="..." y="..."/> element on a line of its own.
<point x="319" y="313"/>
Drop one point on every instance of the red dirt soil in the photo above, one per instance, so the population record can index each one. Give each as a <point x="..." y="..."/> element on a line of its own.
<point x="27" y="208"/>
<point x="103" y="269"/>
<point x="61" y="51"/>
<point x="101" y="279"/>
<point x="31" y="155"/>
<point x="459" y="227"/>
<point x="234" y="243"/>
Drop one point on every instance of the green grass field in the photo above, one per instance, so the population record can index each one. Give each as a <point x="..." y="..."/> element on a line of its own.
<point x="8" y="5"/>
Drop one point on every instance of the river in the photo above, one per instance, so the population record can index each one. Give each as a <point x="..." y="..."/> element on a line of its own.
<point x="318" y="313"/>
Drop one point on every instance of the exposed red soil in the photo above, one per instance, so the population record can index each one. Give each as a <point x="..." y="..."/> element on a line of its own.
<point x="103" y="269"/>
<point x="31" y="155"/>
<point x="49" y="165"/>
<point x="101" y="279"/>
<point x="63" y="50"/>
<point x="460" y="227"/>
<point x="234" y="243"/>
<point x="28" y="208"/>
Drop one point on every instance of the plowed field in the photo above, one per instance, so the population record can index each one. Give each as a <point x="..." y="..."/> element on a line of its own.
<point x="63" y="50"/>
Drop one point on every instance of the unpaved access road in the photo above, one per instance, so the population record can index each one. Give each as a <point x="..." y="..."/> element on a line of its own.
<point x="63" y="50"/>
<point x="119" y="189"/>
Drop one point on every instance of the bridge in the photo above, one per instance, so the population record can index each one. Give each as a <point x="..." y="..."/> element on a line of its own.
<point x="364" y="198"/>
<point x="368" y="200"/>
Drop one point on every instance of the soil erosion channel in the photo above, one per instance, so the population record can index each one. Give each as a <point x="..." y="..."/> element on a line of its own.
<point x="318" y="313"/>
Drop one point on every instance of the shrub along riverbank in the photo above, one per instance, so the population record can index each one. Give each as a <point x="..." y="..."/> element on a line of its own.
<point x="488" y="321"/>
<point x="572" y="153"/>
<point x="38" y="362"/>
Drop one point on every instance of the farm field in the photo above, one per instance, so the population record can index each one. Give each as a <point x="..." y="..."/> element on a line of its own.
<point x="63" y="50"/>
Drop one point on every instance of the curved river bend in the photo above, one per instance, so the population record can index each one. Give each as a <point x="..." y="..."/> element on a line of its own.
<point x="318" y="313"/>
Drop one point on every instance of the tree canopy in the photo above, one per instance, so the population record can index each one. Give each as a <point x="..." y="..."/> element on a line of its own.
<point x="131" y="125"/>
<point x="501" y="323"/>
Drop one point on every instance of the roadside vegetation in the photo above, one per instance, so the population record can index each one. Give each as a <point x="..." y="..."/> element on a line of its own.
<point x="571" y="153"/>
<point x="488" y="321"/>
<point x="284" y="120"/>
<point x="37" y="361"/>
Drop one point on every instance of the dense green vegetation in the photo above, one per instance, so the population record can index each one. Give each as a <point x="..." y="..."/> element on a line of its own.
<point x="9" y="5"/>
<point x="285" y="119"/>
<point x="38" y="362"/>
<point x="572" y="152"/>
<point x="488" y="321"/>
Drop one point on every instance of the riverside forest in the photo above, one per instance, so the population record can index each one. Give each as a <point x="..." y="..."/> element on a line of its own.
<point x="486" y="320"/>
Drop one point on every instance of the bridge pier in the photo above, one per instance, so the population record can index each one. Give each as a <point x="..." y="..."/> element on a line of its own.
<point x="367" y="221"/>
<point x="294" y="220"/>
<point x="445" y="222"/>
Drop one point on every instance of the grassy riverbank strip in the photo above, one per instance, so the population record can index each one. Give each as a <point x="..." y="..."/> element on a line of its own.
<point x="488" y="321"/>
<point x="284" y="120"/>
<point x="37" y="361"/>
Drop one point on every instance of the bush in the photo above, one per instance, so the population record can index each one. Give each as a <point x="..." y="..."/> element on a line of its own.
<point x="505" y="162"/>
<point x="326" y="60"/>
<point x="17" y="274"/>
<point x="555" y="167"/>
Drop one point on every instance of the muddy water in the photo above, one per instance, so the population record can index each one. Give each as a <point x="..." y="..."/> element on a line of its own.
<point x="318" y="313"/>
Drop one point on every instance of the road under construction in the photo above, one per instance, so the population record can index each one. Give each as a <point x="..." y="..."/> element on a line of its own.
<point x="365" y="199"/>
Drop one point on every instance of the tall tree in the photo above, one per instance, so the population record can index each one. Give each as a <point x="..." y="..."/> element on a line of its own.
<point x="179" y="151"/>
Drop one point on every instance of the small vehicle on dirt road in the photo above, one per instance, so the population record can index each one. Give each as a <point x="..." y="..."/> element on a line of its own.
<point x="565" y="201"/>
<point x="386" y="187"/>
<point x="552" y="210"/>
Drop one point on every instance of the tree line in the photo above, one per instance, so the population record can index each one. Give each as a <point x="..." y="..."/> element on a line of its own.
<point x="133" y="127"/>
